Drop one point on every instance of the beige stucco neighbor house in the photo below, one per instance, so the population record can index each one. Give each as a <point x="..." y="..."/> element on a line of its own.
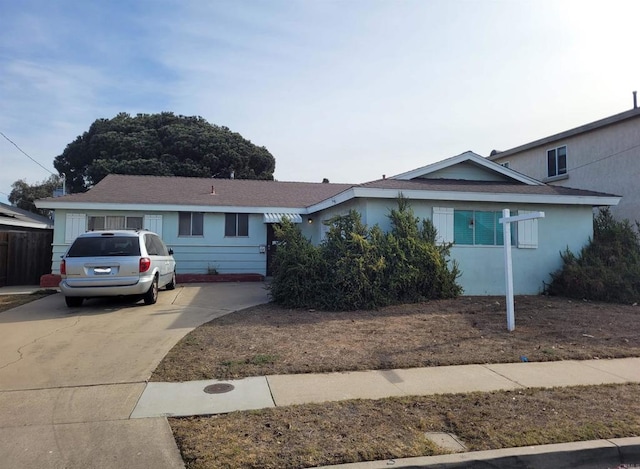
<point x="602" y="156"/>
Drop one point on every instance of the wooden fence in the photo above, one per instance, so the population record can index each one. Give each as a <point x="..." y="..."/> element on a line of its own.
<point x="24" y="256"/>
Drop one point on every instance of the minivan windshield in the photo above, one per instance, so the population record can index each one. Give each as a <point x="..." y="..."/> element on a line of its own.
<point x="105" y="246"/>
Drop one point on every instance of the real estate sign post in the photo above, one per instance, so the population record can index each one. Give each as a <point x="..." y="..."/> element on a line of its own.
<point x="506" y="221"/>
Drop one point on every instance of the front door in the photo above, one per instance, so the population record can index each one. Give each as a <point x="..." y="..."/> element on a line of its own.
<point x="271" y="248"/>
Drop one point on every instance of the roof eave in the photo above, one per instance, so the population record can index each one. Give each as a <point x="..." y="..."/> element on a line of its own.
<point x="474" y="158"/>
<point x="457" y="196"/>
<point x="568" y="133"/>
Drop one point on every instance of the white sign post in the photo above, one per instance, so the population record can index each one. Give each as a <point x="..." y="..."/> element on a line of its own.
<point x="506" y="221"/>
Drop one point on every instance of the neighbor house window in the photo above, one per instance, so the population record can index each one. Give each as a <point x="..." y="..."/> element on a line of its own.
<point x="114" y="222"/>
<point x="557" y="161"/>
<point x="474" y="227"/>
<point x="190" y="224"/>
<point x="236" y="224"/>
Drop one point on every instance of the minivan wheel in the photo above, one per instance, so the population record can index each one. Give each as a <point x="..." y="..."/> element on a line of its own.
<point x="151" y="296"/>
<point x="73" y="301"/>
<point x="172" y="284"/>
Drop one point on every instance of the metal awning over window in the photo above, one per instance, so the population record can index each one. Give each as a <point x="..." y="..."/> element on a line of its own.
<point x="277" y="217"/>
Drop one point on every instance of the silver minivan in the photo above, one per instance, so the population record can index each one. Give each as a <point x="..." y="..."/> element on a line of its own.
<point x="116" y="263"/>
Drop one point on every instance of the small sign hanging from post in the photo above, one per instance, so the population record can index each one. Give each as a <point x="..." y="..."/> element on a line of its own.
<point x="506" y="221"/>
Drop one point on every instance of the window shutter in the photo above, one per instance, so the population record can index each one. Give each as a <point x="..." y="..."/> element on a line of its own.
<point x="443" y="221"/>
<point x="76" y="224"/>
<point x="527" y="232"/>
<point x="153" y="223"/>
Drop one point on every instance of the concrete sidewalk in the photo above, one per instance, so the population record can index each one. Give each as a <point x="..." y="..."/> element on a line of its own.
<point x="216" y="397"/>
<point x="190" y="398"/>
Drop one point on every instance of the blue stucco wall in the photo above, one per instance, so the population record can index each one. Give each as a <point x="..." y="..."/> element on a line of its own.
<point x="482" y="266"/>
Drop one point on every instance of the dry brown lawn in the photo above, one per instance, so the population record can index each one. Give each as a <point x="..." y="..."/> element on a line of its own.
<point x="12" y="301"/>
<point x="270" y="340"/>
<point x="267" y="339"/>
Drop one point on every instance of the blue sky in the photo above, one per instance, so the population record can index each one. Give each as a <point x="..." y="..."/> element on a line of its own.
<point x="347" y="90"/>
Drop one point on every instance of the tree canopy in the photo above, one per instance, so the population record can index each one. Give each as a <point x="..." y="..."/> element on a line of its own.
<point x="22" y="194"/>
<point x="161" y="144"/>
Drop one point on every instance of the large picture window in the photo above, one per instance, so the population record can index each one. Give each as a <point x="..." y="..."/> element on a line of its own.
<point x="190" y="224"/>
<point x="236" y="224"/>
<point x="557" y="161"/>
<point x="473" y="227"/>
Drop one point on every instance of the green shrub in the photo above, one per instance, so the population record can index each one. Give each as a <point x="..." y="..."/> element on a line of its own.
<point x="607" y="269"/>
<point x="299" y="269"/>
<point x="360" y="268"/>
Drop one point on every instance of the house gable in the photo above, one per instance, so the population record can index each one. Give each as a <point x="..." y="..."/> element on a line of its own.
<point x="467" y="166"/>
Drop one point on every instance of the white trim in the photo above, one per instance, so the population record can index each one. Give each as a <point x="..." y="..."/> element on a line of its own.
<point x="24" y="224"/>
<point x="153" y="223"/>
<point x="442" y="219"/>
<point x="75" y="224"/>
<point x="474" y="158"/>
<point x="107" y="206"/>
<point x="455" y="196"/>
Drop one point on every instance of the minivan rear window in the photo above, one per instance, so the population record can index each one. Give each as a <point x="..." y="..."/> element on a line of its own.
<point x="105" y="246"/>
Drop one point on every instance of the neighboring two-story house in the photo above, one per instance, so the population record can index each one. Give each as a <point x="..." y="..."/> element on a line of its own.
<point x="602" y="156"/>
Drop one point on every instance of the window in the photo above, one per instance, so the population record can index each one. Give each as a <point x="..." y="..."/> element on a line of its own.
<point x="190" y="224"/>
<point x="155" y="247"/>
<point x="557" y="161"/>
<point x="236" y="224"/>
<point x="473" y="227"/>
<point x="114" y="222"/>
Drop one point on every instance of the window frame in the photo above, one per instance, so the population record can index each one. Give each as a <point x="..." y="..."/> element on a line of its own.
<point x="554" y="166"/>
<point x="236" y="225"/>
<point x="91" y="220"/>
<point x="196" y="224"/>
<point x="473" y="225"/>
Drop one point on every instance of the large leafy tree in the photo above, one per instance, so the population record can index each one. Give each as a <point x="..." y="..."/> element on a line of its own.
<point x="22" y="194"/>
<point x="163" y="145"/>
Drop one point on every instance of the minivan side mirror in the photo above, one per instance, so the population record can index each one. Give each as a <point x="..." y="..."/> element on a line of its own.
<point x="170" y="252"/>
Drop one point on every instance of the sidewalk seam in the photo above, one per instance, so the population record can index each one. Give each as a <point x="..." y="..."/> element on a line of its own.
<point x="74" y="386"/>
<point x="511" y="380"/>
<point x="273" y="399"/>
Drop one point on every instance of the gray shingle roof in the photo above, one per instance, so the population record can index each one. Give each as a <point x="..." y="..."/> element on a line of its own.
<point x="463" y="185"/>
<point x="171" y="190"/>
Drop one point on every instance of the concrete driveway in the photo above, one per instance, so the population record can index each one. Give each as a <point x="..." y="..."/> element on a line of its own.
<point x="70" y="378"/>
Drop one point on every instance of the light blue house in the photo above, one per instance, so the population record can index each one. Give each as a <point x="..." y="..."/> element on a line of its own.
<point x="227" y="224"/>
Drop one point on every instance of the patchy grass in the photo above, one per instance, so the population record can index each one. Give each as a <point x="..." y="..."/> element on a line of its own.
<point x="270" y="340"/>
<point x="12" y="301"/>
<point x="365" y="430"/>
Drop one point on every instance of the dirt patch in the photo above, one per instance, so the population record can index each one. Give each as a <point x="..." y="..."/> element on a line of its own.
<point x="352" y="431"/>
<point x="270" y="340"/>
<point x="12" y="301"/>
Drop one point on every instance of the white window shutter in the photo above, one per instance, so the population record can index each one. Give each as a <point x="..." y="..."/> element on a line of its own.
<point x="527" y="231"/>
<point x="76" y="224"/>
<point x="153" y="223"/>
<point x="443" y="221"/>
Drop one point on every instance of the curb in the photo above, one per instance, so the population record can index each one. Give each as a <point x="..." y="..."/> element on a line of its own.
<point x="595" y="454"/>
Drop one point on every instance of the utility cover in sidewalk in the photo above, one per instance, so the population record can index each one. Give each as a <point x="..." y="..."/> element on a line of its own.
<point x="218" y="388"/>
<point x="447" y="441"/>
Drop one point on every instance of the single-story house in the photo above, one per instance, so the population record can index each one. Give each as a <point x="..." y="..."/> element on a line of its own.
<point x="25" y="246"/>
<point x="227" y="224"/>
<point x="16" y="219"/>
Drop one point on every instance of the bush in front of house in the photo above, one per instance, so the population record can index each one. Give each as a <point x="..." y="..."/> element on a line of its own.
<point x="606" y="269"/>
<point x="357" y="267"/>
